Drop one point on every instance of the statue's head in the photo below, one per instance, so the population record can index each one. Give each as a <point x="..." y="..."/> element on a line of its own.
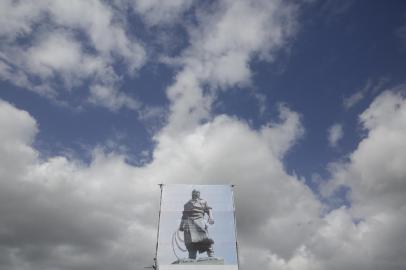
<point x="195" y="194"/>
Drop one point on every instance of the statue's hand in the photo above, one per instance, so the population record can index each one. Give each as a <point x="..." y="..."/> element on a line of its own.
<point x="211" y="221"/>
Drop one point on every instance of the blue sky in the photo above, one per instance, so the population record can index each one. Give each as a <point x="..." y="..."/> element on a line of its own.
<point x="301" y="104"/>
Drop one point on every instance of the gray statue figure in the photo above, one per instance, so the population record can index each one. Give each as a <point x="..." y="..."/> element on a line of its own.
<point x="195" y="228"/>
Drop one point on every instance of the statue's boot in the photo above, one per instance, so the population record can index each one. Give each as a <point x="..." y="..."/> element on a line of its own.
<point x="192" y="254"/>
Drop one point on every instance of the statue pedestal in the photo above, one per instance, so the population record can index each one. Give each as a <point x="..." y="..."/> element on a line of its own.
<point x="201" y="261"/>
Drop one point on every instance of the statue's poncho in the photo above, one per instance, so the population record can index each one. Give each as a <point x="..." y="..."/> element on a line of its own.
<point x="195" y="228"/>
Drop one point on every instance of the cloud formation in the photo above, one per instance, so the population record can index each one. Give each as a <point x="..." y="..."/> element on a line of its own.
<point x="59" y="213"/>
<point x="228" y="36"/>
<point x="73" y="216"/>
<point x="76" y="43"/>
<point x="371" y="87"/>
<point x="335" y="134"/>
<point x="63" y="214"/>
<point x="376" y="180"/>
<point x="158" y="12"/>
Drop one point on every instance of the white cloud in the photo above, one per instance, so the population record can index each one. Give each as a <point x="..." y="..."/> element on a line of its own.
<point x="160" y="11"/>
<point x="335" y="134"/>
<point x="377" y="164"/>
<point x="371" y="87"/>
<point x="16" y="134"/>
<point x="62" y="214"/>
<point x="16" y="18"/>
<point x="80" y="41"/>
<point x="102" y="26"/>
<point x="95" y="215"/>
<point x="58" y="55"/>
<point x="352" y="100"/>
<point x="276" y="133"/>
<point x="369" y="234"/>
<point x="236" y="31"/>
<point x="376" y="177"/>
<point x="55" y="49"/>
<point x="56" y="52"/>
<point x="111" y="98"/>
<point x="227" y="37"/>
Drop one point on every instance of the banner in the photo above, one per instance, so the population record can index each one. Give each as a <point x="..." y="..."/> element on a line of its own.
<point x="197" y="228"/>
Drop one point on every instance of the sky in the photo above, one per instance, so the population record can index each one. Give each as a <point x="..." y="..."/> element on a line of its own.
<point x="300" y="104"/>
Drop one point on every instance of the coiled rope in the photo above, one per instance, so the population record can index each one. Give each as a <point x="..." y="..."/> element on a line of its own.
<point x="176" y="241"/>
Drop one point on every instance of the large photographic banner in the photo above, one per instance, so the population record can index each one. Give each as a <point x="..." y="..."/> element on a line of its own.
<point x="197" y="228"/>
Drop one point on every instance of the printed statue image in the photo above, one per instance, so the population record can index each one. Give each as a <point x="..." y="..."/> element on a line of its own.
<point x="194" y="227"/>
